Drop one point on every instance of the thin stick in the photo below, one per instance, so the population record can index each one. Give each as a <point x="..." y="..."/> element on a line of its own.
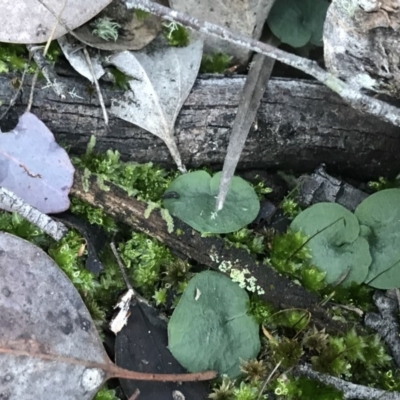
<point x="265" y="383"/>
<point x="44" y="66"/>
<point x="96" y="84"/>
<point x="121" y="267"/>
<point x="352" y="96"/>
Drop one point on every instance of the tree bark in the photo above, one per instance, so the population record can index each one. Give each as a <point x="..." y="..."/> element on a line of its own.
<point x="300" y="124"/>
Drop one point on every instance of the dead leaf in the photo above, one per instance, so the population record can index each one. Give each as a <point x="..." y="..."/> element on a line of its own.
<point x="162" y="78"/>
<point x="245" y="17"/>
<point x="34" y="167"/>
<point x="72" y="50"/>
<point x="29" y="21"/>
<point x="49" y="347"/>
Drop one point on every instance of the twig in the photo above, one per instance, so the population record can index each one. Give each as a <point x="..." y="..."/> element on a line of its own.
<point x="386" y="322"/>
<point x="121" y="266"/>
<point x="135" y="395"/>
<point x="350" y="390"/>
<point x="96" y="84"/>
<point x="11" y="202"/>
<point x="352" y="96"/>
<point x="265" y="383"/>
<point x="44" y="66"/>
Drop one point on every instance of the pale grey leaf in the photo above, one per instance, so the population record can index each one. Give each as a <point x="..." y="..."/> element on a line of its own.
<point x="161" y="81"/>
<point x="34" y="167"/>
<point x="29" y="21"/>
<point x="72" y="50"/>
<point x="47" y="337"/>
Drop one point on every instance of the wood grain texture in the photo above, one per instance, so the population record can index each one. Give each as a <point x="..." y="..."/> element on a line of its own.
<point x="301" y="124"/>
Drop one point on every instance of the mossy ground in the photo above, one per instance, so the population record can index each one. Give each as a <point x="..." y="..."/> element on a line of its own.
<point x="288" y="336"/>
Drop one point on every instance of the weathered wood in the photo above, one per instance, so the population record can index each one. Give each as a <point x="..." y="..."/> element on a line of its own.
<point x="301" y="124"/>
<point x="207" y="251"/>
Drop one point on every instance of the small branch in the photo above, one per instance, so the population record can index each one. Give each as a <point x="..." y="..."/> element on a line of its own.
<point x="349" y="390"/>
<point x="356" y="99"/>
<point x="96" y="84"/>
<point x="11" y="202"/>
<point x="117" y="372"/>
<point x="386" y="322"/>
<point x="121" y="266"/>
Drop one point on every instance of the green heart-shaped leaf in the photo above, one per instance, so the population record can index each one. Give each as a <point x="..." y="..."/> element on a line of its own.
<point x="210" y="328"/>
<point x="297" y="22"/>
<point x="336" y="245"/>
<point x="380" y="214"/>
<point x="195" y="197"/>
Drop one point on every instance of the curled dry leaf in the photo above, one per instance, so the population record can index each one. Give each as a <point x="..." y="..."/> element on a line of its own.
<point x="34" y="166"/>
<point x="162" y="78"/>
<point x="135" y="32"/>
<point x="29" y="21"/>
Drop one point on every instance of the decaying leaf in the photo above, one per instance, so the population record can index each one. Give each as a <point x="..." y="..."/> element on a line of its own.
<point x="246" y="17"/>
<point x="29" y="21"/>
<point x="72" y="50"/>
<point x="135" y="32"/>
<point x="34" y="166"/>
<point x="49" y="347"/>
<point x="46" y="333"/>
<point x="162" y="78"/>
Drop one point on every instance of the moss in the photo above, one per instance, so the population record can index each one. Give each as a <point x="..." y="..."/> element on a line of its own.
<point x="216" y="63"/>
<point x="144" y="259"/>
<point x="106" y="394"/>
<point x="93" y="215"/>
<point x="177" y="35"/>
<point x="13" y="57"/>
<point x="145" y="181"/>
<point x="120" y="79"/>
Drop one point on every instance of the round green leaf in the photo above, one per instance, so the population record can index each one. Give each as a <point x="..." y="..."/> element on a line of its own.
<point x="335" y="244"/>
<point x="195" y="197"/>
<point x="297" y="22"/>
<point x="210" y="328"/>
<point x="380" y="213"/>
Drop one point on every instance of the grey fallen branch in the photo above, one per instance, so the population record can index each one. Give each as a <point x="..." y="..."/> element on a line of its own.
<point x="386" y="322"/>
<point x="350" y="390"/>
<point x="10" y="202"/>
<point x="351" y="95"/>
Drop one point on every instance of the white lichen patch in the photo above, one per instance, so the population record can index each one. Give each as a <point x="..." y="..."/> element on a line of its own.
<point x="242" y="277"/>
